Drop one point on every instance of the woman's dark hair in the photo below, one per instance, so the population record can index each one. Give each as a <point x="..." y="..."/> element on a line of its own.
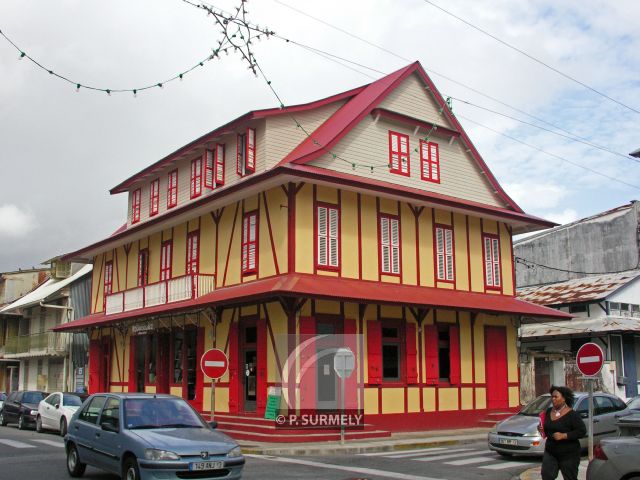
<point x="565" y="392"/>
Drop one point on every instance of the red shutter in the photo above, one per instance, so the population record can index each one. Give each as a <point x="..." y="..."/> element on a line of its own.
<point x="233" y="368"/>
<point x="307" y="363"/>
<point x="351" y="384"/>
<point x="197" y="399"/>
<point x="95" y="363"/>
<point x="431" y="354"/>
<point x="454" y="355"/>
<point x="162" y="359"/>
<point x="412" y="356"/>
<point x="261" y="370"/>
<point x="250" y="151"/>
<point x="132" y="364"/>
<point x="374" y="351"/>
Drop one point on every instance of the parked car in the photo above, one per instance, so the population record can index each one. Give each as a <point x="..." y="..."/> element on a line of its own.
<point x="21" y="407"/>
<point x="55" y="411"/>
<point x="142" y="436"/>
<point x="634" y="404"/>
<point x="617" y="458"/>
<point x="3" y="397"/>
<point x="518" y="435"/>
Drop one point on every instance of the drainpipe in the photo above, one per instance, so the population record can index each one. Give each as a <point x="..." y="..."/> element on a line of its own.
<point x="67" y="361"/>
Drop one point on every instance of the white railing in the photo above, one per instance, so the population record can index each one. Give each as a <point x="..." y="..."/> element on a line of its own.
<point x="177" y="289"/>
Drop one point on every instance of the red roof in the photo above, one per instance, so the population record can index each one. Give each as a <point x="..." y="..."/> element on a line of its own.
<point x="333" y="288"/>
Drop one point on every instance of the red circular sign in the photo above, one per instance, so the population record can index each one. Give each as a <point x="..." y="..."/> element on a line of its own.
<point x="214" y="363"/>
<point x="590" y="359"/>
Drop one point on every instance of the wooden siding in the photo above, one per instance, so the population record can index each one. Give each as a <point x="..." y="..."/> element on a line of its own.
<point x="411" y="98"/>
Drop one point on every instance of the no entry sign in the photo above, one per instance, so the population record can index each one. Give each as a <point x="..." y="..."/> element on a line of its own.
<point x="590" y="359"/>
<point x="214" y="363"/>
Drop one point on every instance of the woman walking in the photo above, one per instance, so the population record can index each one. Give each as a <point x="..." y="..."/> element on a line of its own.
<point x="563" y="429"/>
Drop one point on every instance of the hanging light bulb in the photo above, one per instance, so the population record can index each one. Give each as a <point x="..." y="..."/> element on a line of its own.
<point x="160" y="85"/>
<point x="180" y="76"/>
<point x="108" y="92"/>
<point x="78" y="87"/>
<point x="135" y="93"/>
<point x="22" y="55"/>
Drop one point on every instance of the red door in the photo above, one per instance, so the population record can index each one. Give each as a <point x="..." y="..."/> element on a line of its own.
<point x="495" y="348"/>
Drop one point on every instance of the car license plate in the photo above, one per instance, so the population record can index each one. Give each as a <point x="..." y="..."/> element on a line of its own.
<point x="198" y="466"/>
<point x="508" y="441"/>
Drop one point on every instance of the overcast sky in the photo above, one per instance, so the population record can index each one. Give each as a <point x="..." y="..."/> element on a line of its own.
<point x="62" y="150"/>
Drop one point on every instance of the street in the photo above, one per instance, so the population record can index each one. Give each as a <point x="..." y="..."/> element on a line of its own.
<point x="33" y="456"/>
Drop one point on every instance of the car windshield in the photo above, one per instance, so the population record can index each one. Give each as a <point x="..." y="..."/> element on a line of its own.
<point x="537" y="406"/>
<point x="140" y="413"/>
<point x="32" y="397"/>
<point x="70" y="400"/>
<point x="3" y="397"/>
<point x="635" y="403"/>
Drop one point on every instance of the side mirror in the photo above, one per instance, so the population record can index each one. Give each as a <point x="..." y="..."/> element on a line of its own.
<point x="213" y="424"/>
<point x="109" y="427"/>
<point x="57" y="405"/>
<point x="584" y="414"/>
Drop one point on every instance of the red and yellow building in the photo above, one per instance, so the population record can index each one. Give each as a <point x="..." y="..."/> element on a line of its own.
<point x="369" y="212"/>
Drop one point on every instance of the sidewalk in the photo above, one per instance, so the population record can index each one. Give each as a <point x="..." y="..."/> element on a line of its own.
<point x="398" y="441"/>
<point x="534" y="473"/>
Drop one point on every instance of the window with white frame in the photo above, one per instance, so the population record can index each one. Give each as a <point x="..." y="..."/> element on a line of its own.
<point x="327" y="228"/>
<point x="389" y="244"/>
<point x="445" y="268"/>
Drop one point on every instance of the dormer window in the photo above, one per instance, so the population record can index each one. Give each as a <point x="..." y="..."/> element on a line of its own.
<point x="196" y="177"/>
<point x="154" y="197"/>
<point x="399" y="153"/>
<point x="172" y="189"/>
<point x="430" y="161"/>
<point x="214" y="166"/>
<point x="246" y="152"/>
<point x="135" y="205"/>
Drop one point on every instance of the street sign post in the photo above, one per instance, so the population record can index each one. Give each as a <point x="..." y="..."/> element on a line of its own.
<point x="590" y="359"/>
<point x="344" y="362"/>
<point x="214" y="364"/>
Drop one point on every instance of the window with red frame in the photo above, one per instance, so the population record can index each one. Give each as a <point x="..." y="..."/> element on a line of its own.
<point x="445" y="270"/>
<point x="399" y="153"/>
<point x="492" y="261"/>
<point x="154" y="197"/>
<point x="430" y="161"/>
<point x="108" y="278"/>
<point x="389" y="244"/>
<point x="193" y="253"/>
<point x="246" y="152"/>
<point x="143" y="267"/>
<point x="172" y="189"/>
<point x="166" y="256"/>
<point x="328" y="242"/>
<point x="249" y="242"/>
<point x="135" y="205"/>
<point x="214" y="166"/>
<point x="196" y="177"/>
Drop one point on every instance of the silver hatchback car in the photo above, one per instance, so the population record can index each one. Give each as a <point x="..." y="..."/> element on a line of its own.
<point x="617" y="458"/>
<point x="518" y="435"/>
<point x="146" y="436"/>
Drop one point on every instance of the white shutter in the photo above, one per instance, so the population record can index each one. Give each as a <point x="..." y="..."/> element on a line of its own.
<point x="251" y="262"/>
<point x="404" y="154"/>
<point x="384" y="244"/>
<point x="333" y="237"/>
<point x="395" y="149"/>
<point x="488" y="264"/>
<point x="395" y="246"/>
<point x="219" y="164"/>
<point x="440" y="253"/>
<point x="208" y="169"/>
<point x="250" y="165"/>
<point x="322" y="236"/>
<point x="424" y="160"/>
<point x="434" y="161"/>
<point x="245" y="239"/>
<point x="496" y="262"/>
<point x="449" y="253"/>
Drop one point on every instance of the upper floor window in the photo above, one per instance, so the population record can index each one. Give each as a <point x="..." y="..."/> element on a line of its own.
<point x="154" y="197"/>
<point x="214" y="166"/>
<point x="249" y="242"/>
<point x="196" y="177"/>
<point x="492" y="261"/>
<point x="135" y="206"/>
<point x="193" y="252"/>
<point x="108" y="278"/>
<point x="399" y="153"/>
<point x="246" y="152"/>
<point x="430" y="161"/>
<point x="327" y="238"/>
<point x="166" y="256"/>
<point x="445" y="271"/>
<point x="389" y="244"/>
<point x="143" y="267"/>
<point x="172" y="189"/>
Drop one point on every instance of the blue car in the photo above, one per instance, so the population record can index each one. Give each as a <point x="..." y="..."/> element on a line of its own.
<point x="145" y="436"/>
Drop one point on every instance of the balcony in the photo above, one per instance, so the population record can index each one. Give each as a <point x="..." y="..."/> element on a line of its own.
<point x="186" y="287"/>
<point x="36" y="344"/>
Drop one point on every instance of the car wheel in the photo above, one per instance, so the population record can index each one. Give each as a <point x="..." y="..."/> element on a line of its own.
<point x="63" y="427"/>
<point x="21" y="424"/>
<point x="75" y="467"/>
<point x="39" y="424"/>
<point x="3" y="422"/>
<point x="130" y="469"/>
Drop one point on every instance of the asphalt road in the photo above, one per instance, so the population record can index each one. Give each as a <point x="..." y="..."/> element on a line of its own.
<point x="27" y="455"/>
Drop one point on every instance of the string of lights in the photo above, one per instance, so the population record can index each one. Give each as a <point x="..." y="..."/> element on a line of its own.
<point x="532" y="265"/>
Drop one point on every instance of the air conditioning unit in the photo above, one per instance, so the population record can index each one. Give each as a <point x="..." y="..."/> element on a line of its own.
<point x="61" y="269"/>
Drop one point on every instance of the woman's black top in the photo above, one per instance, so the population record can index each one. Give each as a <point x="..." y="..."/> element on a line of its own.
<point x="570" y="423"/>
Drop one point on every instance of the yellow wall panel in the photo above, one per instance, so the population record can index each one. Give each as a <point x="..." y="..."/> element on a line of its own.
<point x="512" y="352"/>
<point x="207" y="245"/>
<point x="514" y="397"/>
<point x="446" y="286"/>
<point x="475" y="254"/>
<point x="326" y="194"/>
<point x="427" y="272"/>
<point x="466" y="364"/>
<point x="390" y="311"/>
<point x="448" y="316"/>
<point x="278" y="321"/>
<point x="490" y="226"/>
<point x="304" y="230"/>
<point x="279" y="224"/>
<point x="448" y="399"/>
<point x="177" y="391"/>
<point x="232" y="215"/>
<point x="462" y="259"/>
<point x="221" y="401"/>
<point x="248" y="310"/>
<point x="481" y="398"/>
<point x="130" y="263"/>
<point x="388" y="206"/>
<point x="478" y="338"/>
<point x="443" y="217"/>
<point x="506" y="260"/>
<point x="393" y="400"/>
<point x="351" y="311"/>
<point x="388" y="278"/>
<point x="429" y="399"/>
<point x="467" y="399"/>
<point x="327" y="306"/>
<point x="251" y="203"/>
<point x="371" y="401"/>
<point x="349" y="234"/>
<point x="150" y="389"/>
<point x="154" y="258"/>
<point x="179" y="250"/>
<point x="413" y="399"/>
<point x="408" y="246"/>
<point x="167" y="234"/>
<point x="266" y="260"/>
<point x="326" y="273"/>
<point x="193" y="224"/>
<point x="369" y="227"/>
<point x="97" y="279"/>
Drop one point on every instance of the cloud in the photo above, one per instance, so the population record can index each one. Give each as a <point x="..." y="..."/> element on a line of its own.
<point x="565" y="216"/>
<point x="15" y="222"/>
<point x="531" y="196"/>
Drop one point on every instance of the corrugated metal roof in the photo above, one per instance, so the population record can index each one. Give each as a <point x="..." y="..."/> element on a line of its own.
<point x="579" y="290"/>
<point x="581" y="326"/>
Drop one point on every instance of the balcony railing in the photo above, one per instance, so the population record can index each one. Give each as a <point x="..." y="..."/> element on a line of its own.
<point x="186" y="287"/>
<point x="45" y="343"/>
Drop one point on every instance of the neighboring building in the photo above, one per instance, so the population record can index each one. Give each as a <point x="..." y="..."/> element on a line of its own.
<point x="605" y="242"/>
<point x="13" y="285"/>
<point x="384" y="223"/>
<point x="44" y="356"/>
<point x="606" y="310"/>
<point x="635" y="153"/>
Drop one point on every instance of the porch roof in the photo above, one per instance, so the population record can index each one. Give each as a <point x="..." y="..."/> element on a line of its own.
<point x="333" y="288"/>
<point x="581" y="327"/>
